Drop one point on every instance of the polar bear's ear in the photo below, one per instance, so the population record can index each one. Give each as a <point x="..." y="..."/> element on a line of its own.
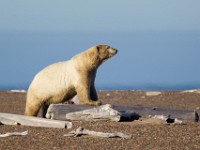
<point x="98" y="48"/>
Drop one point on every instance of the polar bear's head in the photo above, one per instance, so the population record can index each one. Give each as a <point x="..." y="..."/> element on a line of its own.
<point x="104" y="52"/>
<point x="100" y="53"/>
<point x="96" y="55"/>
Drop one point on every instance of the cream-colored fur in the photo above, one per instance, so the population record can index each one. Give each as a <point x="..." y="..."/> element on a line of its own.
<point x="61" y="81"/>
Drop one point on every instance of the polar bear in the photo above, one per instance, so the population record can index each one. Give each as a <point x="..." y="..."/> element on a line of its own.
<point x="61" y="81"/>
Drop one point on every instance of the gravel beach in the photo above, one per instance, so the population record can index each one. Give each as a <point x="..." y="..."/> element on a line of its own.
<point x="145" y="136"/>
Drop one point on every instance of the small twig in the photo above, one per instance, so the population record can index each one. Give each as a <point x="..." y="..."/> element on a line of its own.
<point x="14" y="134"/>
<point x="81" y="131"/>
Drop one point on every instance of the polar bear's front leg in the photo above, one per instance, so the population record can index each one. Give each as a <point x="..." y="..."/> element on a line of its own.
<point x="84" y="96"/>
<point x="93" y="93"/>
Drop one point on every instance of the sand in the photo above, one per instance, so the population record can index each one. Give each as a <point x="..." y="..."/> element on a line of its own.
<point x="145" y="136"/>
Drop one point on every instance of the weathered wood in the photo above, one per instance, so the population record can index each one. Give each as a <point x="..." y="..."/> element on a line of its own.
<point x="13" y="119"/>
<point x="7" y="121"/>
<point x="81" y="131"/>
<point x="181" y="114"/>
<point x="14" y="134"/>
<point x="60" y="111"/>
<point x="82" y="112"/>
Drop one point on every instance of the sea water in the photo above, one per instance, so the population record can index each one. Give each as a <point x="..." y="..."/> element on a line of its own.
<point x="147" y="60"/>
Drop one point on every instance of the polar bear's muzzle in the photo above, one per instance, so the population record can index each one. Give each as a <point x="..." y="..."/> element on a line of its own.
<point x="112" y="51"/>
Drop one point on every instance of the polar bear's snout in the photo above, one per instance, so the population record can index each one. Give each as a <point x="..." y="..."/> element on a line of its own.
<point x="112" y="51"/>
<point x="116" y="51"/>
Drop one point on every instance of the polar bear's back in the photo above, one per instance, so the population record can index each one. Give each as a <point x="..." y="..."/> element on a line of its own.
<point x="54" y="80"/>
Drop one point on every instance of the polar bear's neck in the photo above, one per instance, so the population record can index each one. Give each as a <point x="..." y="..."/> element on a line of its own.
<point x="83" y="60"/>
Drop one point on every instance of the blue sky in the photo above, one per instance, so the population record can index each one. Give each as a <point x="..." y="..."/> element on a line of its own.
<point x="99" y="15"/>
<point x="158" y="41"/>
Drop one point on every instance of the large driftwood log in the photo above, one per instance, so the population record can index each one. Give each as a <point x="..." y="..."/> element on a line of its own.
<point x="14" y="119"/>
<point x="181" y="114"/>
<point x="83" y="112"/>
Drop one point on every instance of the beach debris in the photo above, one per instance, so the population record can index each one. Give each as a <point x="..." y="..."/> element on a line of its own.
<point x="191" y="91"/>
<point x="153" y="93"/>
<point x="18" y="91"/>
<point x="108" y="94"/>
<point x="81" y="131"/>
<point x="14" y="134"/>
<point x="7" y="121"/>
<point x="83" y="112"/>
<point x="15" y="119"/>
<point x="145" y="112"/>
<point x="152" y="121"/>
<point x="168" y="119"/>
<point x="115" y="113"/>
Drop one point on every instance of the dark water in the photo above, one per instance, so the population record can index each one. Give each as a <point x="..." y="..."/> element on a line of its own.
<point x="117" y="87"/>
<point x="148" y="60"/>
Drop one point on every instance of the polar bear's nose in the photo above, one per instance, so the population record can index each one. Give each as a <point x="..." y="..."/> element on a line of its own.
<point x="114" y="51"/>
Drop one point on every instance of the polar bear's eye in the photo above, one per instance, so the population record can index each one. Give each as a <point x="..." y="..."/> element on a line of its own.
<point x="108" y="47"/>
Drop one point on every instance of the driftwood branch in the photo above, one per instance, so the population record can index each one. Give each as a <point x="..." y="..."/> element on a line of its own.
<point x="14" y="134"/>
<point x="116" y="113"/>
<point x="82" y="131"/>
<point x="7" y="121"/>
<point x="14" y="119"/>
